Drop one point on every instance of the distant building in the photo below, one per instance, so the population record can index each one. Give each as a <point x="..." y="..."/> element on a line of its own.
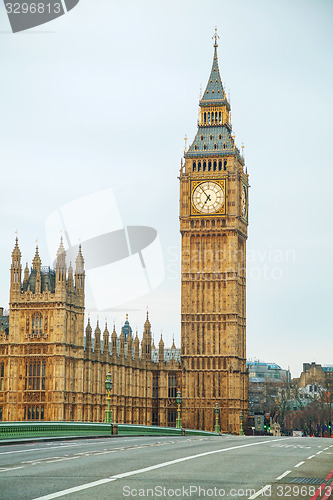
<point x="260" y="371"/>
<point x="265" y="381"/>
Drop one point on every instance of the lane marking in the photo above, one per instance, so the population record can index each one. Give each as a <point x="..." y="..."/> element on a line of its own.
<point x="319" y="452"/>
<point x="148" y="469"/>
<point x="260" y="492"/>
<point x="283" y="475"/>
<point x="312" y="456"/>
<point x="11" y="468"/>
<point x="298" y="465"/>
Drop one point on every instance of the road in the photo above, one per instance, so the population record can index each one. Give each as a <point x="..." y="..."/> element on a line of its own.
<point x="167" y="467"/>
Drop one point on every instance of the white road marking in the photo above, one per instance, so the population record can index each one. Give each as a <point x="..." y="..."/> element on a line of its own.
<point x="150" y="468"/>
<point x="325" y="449"/>
<point x="319" y="452"/>
<point x="11" y="468"/>
<point x="284" y="474"/>
<point x="260" y="492"/>
<point x="312" y="456"/>
<point x="298" y="465"/>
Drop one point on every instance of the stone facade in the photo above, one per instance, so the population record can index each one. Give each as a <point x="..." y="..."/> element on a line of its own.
<point x="213" y="224"/>
<point x="52" y="370"/>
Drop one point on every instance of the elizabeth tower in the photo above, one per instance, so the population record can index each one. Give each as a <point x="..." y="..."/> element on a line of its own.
<point x="213" y="225"/>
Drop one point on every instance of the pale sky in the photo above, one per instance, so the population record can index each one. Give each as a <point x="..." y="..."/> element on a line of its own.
<point x="103" y="97"/>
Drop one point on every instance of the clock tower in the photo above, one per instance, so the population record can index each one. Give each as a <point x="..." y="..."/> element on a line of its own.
<point x="213" y="225"/>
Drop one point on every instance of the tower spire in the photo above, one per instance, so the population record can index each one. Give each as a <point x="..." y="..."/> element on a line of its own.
<point x="215" y="37"/>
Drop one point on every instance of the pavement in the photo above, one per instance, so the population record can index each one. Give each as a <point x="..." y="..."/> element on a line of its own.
<point x="168" y="467"/>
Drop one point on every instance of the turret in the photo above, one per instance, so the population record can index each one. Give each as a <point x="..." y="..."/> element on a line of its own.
<point x="61" y="267"/>
<point x="146" y="340"/>
<point x="79" y="271"/>
<point x="70" y="281"/>
<point x="36" y="267"/>
<point x="15" y="271"/>
<point x="114" y="341"/>
<point x="97" y="348"/>
<point x="161" y="350"/>
<point x="88" y="338"/>
<point x="106" y="341"/>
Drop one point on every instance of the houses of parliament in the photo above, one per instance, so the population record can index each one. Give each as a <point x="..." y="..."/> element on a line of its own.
<point x="53" y="366"/>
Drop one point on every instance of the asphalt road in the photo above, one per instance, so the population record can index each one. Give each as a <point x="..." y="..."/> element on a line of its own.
<point x="168" y="467"/>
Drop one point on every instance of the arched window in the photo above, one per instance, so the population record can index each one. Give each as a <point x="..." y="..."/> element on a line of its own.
<point x="196" y="147"/>
<point x="209" y="166"/>
<point x="205" y="117"/>
<point x="205" y="147"/>
<point x="204" y="166"/>
<point x="224" y="146"/>
<point x="216" y="116"/>
<point x="220" y="165"/>
<point x="199" y="166"/>
<point x="220" y="137"/>
<point x="210" y="137"/>
<point x="208" y="117"/>
<point x="202" y="137"/>
<point x="37" y="324"/>
<point x="225" y="165"/>
<point x="194" y="166"/>
<point x="214" y="166"/>
<point x="215" y="146"/>
<point x="220" y="120"/>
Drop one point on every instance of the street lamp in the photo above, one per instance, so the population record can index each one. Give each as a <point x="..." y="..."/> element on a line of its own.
<point x="179" y="402"/>
<point x="108" y="387"/>
<point x="217" y="411"/>
<point x="241" y="432"/>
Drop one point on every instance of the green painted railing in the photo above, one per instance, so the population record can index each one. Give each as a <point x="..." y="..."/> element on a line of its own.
<point x="26" y="430"/>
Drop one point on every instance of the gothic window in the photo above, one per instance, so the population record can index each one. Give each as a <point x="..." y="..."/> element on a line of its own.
<point x="34" y="412"/>
<point x="205" y="117"/>
<point x="199" y="166"/>
<point x="155" y="385"/>
<point x="220" y="137"/>
<point x="214" y="166"/>
<point x="155" y="418"/>
<point x="194" y="166"/>
<point x="35" y="375"/>
<point x="220" y="165"/>
<point x="210" y="137"/>
<point x="225" y="165"/>
<point x="216" y="116"/>
<point x="215" y="146"/>
<point x="220" y="117"/>
<point x="204" y="166"/>
<point x="205" y="147"/>
<point x="196" y="147"/>
<point x="209" y="117"/>
<point x="202" y="137"/>
<point x="37" y="324"/>
<point x="172" y="385"/>
<point x="209" y="165"/>
<point x="2" y="376"/>
<point x="224" y="146"/>
<point x="172" y="416"/>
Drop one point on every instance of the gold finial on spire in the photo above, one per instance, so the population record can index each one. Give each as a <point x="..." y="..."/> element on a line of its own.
<point x="185" y="141"/>
<point x="215" y="37"/>
<point x="243" y="149"/>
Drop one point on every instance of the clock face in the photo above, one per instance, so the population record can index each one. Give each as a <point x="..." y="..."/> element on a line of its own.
<point x="208" y="197"/>
<point x="243" y="201"/>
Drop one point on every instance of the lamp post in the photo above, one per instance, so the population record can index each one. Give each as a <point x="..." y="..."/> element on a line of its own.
<point x="179" y="402"/>
<point x="217" y="411"/>
<point x="108" y="387"/>
<point x="241" y="432"/>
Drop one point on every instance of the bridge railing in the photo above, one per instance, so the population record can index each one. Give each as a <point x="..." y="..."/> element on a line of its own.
<point x="26" y="430"/>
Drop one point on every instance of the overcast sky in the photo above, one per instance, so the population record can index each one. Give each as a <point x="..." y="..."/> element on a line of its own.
<point x="102" y="98"/>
